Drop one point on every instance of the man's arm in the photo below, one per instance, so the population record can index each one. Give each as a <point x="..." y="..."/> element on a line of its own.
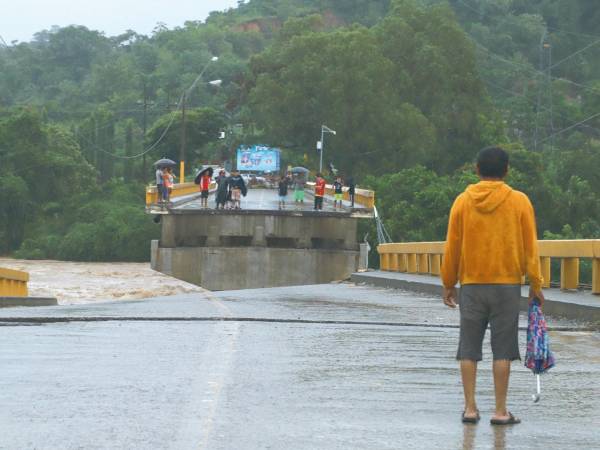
<point x="451" y="260"/>
<point x="532" y="256"/>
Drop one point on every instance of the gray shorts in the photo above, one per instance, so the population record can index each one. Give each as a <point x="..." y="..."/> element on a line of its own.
<point x="496" y="304"/>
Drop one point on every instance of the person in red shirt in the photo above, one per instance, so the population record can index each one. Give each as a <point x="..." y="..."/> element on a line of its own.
<point x="204" y="188"/>
<point x="319" y="192"/>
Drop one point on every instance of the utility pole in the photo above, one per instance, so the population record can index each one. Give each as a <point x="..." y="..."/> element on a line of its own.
<point x="548" y="47"/>
<point x="144" y="129"/>
<point x="321" y="149"/>
<point x="545" y="94"/>
<point x="183" y="141"/>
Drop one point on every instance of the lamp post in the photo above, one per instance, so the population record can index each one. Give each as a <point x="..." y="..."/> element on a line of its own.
<point x="184" y="97"/>
<point x="321" y="143"/>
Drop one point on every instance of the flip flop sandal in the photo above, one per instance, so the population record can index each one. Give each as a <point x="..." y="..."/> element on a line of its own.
<point x="470" y="419"/>
<point x="512" y="420"/>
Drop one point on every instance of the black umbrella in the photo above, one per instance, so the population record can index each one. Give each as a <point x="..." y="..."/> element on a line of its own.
<point x="165" y="163"/>
<point x="208" y="171"/>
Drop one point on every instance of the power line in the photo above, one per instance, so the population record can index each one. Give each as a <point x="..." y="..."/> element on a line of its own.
<point x="556" y="64"/>
<point x="595" y="36"/>
<point x="564" y="130"/>
<point x="531" y="69"/>
<point x="168" y="127"/>
<point x="532" y="102"/>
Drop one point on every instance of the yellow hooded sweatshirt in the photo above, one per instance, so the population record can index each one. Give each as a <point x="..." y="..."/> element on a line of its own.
<point x="491" y="238"/>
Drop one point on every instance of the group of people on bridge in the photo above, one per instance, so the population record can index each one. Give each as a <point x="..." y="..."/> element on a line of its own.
<point x="298" y="182"/>
<point x="230" y="189"/>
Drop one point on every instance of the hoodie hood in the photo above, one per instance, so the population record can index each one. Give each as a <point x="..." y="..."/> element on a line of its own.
<point x="487" y="196"/>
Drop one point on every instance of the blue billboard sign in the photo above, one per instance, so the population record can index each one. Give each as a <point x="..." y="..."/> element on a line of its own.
<point x="258" y="158"/>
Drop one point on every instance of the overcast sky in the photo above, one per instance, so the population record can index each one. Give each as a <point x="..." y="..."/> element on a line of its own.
<point x="20" y="19"/>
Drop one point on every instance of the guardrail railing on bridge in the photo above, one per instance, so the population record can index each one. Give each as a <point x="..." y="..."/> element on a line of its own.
<point x="178" y="190"/>
<point x="362" y="197"/>
<point x="426" y="258"/>
<point x="13" y="283"/>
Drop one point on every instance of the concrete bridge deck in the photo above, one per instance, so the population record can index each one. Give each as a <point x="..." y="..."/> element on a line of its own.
<point x="331" y="366"/>
<point x="265" y="201"/>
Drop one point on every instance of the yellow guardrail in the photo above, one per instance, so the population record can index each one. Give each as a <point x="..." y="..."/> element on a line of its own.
<point x="178" y="190"/>
<point x="362" y="197"/>
<point x="426" y="258"/>
<point x="13" y="283"/>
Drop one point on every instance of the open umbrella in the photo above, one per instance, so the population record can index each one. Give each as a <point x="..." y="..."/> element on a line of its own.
<point x="165" y="162"/>
<point x="538" y="356"/>
<point x="300" y="170"/>
<point x="207" y="170"/>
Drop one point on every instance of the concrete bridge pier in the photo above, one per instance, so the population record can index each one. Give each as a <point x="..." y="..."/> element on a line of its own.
<point x="224" y="250"/>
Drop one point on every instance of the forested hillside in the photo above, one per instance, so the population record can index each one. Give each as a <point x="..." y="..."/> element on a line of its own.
<point x="413" y="87"/>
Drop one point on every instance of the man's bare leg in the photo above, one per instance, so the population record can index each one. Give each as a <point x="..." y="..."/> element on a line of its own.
<point x="468" y="371"/>
<point x="501" y="377"/>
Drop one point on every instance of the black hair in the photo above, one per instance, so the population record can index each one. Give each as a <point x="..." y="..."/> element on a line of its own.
<point x="492" y="162"/>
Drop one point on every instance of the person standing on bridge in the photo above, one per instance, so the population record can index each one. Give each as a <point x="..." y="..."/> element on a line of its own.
<point x="282" y="188"/>
<point x="319" y="192"/>
<point x="351" y="190"/>
<point x="205" y="188"/>
<point x="168" y="181"/>
<point x="160" y="184"/>
<point x="338" y="193"/>
<point x="299" y="183"/>
<point x="222" y="189"/>
<point x="491" y="244"/>
<point x="237" y="188"/>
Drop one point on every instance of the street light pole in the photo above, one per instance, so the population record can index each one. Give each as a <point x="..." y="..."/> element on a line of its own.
<point x="183" y="118"/>
<point x="183" y="142"/>
<point x="324" y="129"/>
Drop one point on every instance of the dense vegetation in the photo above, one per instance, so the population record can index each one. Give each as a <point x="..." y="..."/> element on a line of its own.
<point x="413" y="87"/>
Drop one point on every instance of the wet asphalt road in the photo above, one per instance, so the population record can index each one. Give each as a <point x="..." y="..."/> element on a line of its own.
<point x="268" y="199"/>
<point x="368" y="369"/>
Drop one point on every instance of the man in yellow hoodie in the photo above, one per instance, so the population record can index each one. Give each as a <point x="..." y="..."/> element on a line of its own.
<point x="491" y="244"/>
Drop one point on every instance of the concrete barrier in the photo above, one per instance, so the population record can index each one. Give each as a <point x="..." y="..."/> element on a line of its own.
<point x="425" y="258"/>
<point x="13" y="283"/>
<point x="9" y="302"/>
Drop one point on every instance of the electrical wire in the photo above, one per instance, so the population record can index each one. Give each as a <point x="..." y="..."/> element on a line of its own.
<point x="574" y="54"/>
<point x="528" y="68"/>
<point x="168" y="127"/>
<point x="532" y="70"/>
<point x="569" y="128"/>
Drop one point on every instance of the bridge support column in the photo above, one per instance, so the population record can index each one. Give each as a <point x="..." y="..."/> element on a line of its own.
<point x="596" y="276"/>
<point x="546" y="272"/>
<point x="394" y="262"/>
<point x="569" y="273"/>
<point x="411" y="263"/>
<point x="385" y="261"/>
<point x="423" y="260"/>
<point x="435" y="262"/>
<point x="402" y="262"/>
<point x="212" y="240"/>
<point x="259" y="239"/>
